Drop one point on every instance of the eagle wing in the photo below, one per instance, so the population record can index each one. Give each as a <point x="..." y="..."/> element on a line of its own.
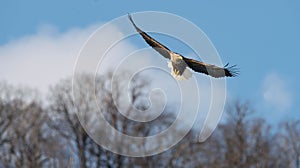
<point x="211" y="70"/>
<point x="161" y="49"/>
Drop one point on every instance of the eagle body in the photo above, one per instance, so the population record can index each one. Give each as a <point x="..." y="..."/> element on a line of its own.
<point x="179" y="64"/>
<point x="178" y="67"/>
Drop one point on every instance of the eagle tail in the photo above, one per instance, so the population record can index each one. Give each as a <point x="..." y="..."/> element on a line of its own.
<point x="184" y="76"/>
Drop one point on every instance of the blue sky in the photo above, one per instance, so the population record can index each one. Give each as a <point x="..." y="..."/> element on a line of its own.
<point x="261" y="37"/>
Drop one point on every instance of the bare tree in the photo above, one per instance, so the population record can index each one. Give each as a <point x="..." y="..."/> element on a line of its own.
<point x="64" y="111"/>
<point x="22" y="123"/>
<point x="244" y="140"/>
<point x="289" y="143"/>
<point x="240" y="141"/>
<point x="32" y="135"/>
<point x="65" y="122"/>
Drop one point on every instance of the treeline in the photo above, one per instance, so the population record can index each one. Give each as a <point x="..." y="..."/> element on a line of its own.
<point x="47" y="133"/>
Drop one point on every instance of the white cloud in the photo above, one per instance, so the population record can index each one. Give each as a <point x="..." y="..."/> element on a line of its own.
<point x="43" y="58"/>
<point x="276" y="92"/>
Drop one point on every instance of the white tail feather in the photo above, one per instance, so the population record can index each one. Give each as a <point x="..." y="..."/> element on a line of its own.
<point x="185" y="75"/>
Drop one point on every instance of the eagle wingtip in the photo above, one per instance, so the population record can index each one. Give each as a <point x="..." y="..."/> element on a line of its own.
<point x="129" y="16"/>
<point x="131" y="20"/>
<point x="231" y="71"/>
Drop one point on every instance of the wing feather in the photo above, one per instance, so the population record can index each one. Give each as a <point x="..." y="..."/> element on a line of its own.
<point x="161" y="49"/>
<point x="211" y="70"/>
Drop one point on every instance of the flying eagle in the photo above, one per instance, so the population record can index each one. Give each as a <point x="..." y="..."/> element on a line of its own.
<point x="180" y="63"/>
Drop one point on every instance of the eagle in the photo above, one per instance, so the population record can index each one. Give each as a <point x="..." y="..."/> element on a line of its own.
<point x="179" y="63"/>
